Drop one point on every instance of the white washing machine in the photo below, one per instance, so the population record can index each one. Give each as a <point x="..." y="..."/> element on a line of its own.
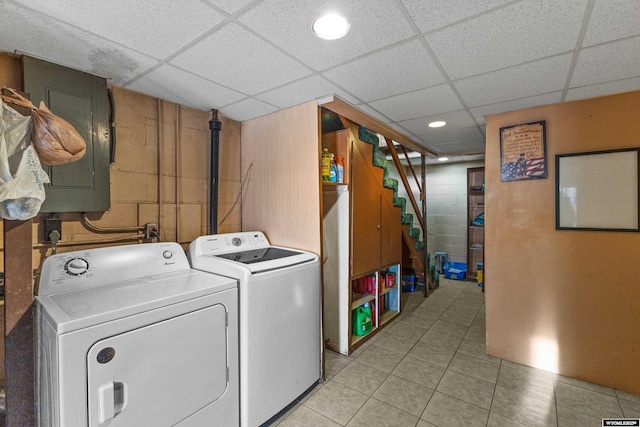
<point x="132" y="336"/>
<point x="280" y="321"/>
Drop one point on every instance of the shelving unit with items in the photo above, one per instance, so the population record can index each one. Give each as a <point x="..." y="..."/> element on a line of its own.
<point x="375" y="301"/>
<point x="362" y="246"/>
<point x="475" y="220"/>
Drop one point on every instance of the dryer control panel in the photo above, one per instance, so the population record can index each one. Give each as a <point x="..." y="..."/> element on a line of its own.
<point x="95" y="267"/>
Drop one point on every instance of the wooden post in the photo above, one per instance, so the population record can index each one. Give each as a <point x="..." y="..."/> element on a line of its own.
<point x="19" y="322"/>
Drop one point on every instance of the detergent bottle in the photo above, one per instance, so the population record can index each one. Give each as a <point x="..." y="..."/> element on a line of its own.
<point x="340" y="169"/>
<point x="333" y="171"/>
<point x="325" y="169"/>
<point x="361" y="320"/>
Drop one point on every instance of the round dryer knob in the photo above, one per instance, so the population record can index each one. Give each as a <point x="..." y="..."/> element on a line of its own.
<point x="167" y="254"/>
<point x="76" y="266"/>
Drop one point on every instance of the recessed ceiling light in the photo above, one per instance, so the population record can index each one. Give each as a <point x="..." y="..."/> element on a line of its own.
<point x="437" y="124"/>
<point x="443" y="159"/>
<point x="330" y="27"/>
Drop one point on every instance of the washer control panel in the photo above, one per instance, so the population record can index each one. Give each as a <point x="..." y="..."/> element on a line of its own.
<point x="232" y="242"/>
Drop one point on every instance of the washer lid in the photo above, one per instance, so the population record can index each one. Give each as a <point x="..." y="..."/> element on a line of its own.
<point x="259" y="255"/>
<point x="246" y="252"/>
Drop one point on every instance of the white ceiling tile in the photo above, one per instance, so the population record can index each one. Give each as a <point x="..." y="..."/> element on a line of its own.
<point x="607" y="62"/>
<point x="430" y="15"/>
<point x="534" y="78"/>
<point x="424" y="102"/>
<point x="304" y="90"/>
<point x="517" y="104"/>
<point x="288" y="25"/>
<point x="156" y="28"/>
<point x="373" y="113"/>
<point x="403" y="131"/>
<point x="230" y="6"/>
<point x="248" y="109"/>
<point x="236" y="58"/>
<point x="462" y="146"/>
<point x="601" y="89"/>
<point x="522" y="32"/>
<point x="447" y="135"/>
<point x="454" y="119"/>
<point x="42" y="37"/>
<point x="398" y="69"/>
<point x="612" y="20"/>
<point x="176" y="85"/>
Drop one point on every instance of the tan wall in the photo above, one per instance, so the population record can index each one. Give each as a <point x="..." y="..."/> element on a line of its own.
<point x="567" y="301"/>
<point x="179" y="148"/>
<point x="282" y="195"/>
<point x="160" y="175"/>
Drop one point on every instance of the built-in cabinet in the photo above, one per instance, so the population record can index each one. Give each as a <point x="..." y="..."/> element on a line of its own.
<point x="475" y="220"/>
<point x="362" y="242"/>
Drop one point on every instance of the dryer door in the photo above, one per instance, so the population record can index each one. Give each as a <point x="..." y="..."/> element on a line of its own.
<point x="159" y="374"/>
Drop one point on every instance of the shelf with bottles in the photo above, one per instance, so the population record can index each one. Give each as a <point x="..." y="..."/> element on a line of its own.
<point x="388" y="302"/>
<point x="335" y="146"/>
<point x="363" y="290"/>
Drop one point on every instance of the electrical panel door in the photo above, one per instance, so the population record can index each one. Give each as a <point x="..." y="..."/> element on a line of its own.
<point x="82" y="100"/>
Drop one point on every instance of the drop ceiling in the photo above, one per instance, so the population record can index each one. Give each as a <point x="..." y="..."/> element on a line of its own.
<point x="404" y="62"/>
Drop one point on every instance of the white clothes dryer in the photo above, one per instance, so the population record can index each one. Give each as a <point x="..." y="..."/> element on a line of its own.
<point x="280" y="322"/>
<point x="132" y="336"/>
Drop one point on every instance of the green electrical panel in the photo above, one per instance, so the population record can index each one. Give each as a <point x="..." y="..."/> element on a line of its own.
<point x="82" y="100"/>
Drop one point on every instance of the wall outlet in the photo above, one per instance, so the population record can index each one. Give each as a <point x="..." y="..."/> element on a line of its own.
<point x="52" y="224"/>
<point x="150" y="231"/>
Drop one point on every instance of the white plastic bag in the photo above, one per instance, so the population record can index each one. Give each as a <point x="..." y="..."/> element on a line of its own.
<point x="21" y="192"/>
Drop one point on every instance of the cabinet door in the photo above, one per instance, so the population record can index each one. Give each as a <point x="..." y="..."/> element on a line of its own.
<point x="391" y="231"/>
<point x="365" y="210"/>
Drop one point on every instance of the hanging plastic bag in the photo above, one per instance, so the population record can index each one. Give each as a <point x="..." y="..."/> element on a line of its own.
<point x="55" y="139"/>
<point x="21" y="192"/>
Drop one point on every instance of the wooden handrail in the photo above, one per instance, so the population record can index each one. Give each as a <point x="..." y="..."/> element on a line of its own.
<point x="403" y="177"/>
<point x="413" y="172"/>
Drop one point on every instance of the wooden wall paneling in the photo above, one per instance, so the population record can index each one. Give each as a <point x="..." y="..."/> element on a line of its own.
<point x="282" y="195"/>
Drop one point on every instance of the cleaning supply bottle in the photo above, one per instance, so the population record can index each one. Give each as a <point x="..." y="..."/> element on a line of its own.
<point x="325" y="169"/>
<point x="333" y="171"/>
<point x="340" y="168"/>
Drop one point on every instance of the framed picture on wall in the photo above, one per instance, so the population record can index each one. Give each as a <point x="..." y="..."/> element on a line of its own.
<point x="523" y="152"/>
<point x="598" y="190"/>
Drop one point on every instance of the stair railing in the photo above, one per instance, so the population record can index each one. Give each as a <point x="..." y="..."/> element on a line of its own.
<point x="421" y="212"/>
<point x="405" y="182"/>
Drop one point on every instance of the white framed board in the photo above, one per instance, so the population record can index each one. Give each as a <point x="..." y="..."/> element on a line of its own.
<point x="598" y="190"/>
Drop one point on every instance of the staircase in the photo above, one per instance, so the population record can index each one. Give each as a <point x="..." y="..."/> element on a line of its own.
<point x="416" y="256"/>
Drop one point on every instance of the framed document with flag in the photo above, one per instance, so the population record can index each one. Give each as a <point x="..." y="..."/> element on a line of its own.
<point x="523" y="152"/>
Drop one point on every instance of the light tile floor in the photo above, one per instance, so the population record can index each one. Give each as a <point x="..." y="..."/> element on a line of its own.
<point x="429" y="368"/>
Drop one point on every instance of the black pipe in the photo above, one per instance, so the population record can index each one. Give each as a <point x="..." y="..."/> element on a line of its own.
<point x="112" y="127"/>
<point x="215" y="125"/>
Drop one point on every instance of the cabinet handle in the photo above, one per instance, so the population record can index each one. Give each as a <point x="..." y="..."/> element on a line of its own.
<point x="378" y="227"/>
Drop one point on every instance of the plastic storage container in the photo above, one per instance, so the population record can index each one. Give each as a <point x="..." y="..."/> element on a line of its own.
<point x="455" y="270"/>
<point x="408" y="283"/>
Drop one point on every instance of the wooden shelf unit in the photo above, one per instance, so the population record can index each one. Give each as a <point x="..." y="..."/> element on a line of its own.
<point x="475" y="207"/>
<point x="363" y="238"/>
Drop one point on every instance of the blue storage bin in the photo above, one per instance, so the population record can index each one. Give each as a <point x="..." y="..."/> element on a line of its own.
<point x="455" y="270"/>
